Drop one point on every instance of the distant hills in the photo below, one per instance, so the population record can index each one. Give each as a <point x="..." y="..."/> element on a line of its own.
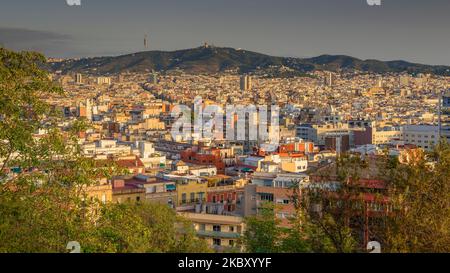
<point x="216" y="59"/>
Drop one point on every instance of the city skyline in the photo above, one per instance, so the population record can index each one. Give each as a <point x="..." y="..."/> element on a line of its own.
<point x="415" y="31"/>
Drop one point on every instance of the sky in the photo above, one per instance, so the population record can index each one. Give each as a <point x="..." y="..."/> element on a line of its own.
<point x="412" y="30"/>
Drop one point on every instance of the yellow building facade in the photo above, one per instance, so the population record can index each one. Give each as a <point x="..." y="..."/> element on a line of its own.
<point x="222" y="233"/>
<point x="191" y="192"/>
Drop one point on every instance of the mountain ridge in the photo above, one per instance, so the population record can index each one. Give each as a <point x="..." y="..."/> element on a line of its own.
<point x="211" y="60"/>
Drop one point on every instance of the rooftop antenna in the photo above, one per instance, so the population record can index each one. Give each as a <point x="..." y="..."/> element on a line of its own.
<point x="146" y="41"/>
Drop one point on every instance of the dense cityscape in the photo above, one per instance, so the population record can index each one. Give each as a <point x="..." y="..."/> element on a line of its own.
<point x="115" y="139"/>
<point x="215" y="183"/>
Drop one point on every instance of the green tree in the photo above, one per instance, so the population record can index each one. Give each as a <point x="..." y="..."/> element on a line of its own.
<point x="263" y="233"/>
<point x="302" y="235"/>
<point x="142" y="228"/>
<point x="327" y="207"/>
<point x="420" y="196"/>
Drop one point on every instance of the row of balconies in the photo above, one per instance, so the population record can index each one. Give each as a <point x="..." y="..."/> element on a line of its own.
<point x="193" y="201"/>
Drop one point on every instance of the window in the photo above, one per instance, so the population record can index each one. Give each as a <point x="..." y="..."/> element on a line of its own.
<point x="266" y="197"/>
<point x="217" y="242"/>
<point x="183" y="198"/>
<point x="231" y="242"/>
<point x="192" y="197"/>
<point x="216" y="228"/>
<point x="201" y="195"/>
<point x="202" y="227"/>
<point x="231" y="229"/>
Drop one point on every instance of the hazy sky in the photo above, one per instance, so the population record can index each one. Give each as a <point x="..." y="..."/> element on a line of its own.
<point x="414" y="30"/>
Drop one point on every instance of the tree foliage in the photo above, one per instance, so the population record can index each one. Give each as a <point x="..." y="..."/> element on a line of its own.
<point x="263" y="232"/>
<point x="420" y="193"/>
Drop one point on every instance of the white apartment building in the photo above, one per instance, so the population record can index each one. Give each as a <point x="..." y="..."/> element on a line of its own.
<point x="105" y="147"/>
<point x="294" y="164"/>
<point x="290" y="164"/>
<point x="148" y="155"/>
<point x="386" y="135"/>
<point x="423" y="136"/>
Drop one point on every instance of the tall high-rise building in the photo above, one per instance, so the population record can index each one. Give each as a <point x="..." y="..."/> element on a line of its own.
<point x="88" y="110"/>
<point x="154" y="78"/>
<point x="380" y="82"/>
<point x="79" y="78"/>
<point x="444" y="115"/>
<point x="85" y="110"/>
<point x="246" y="83"/>
<point x="329" y="79"/>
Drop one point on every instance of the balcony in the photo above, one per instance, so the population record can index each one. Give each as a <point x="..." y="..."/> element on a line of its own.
<point x="218" y="234"/>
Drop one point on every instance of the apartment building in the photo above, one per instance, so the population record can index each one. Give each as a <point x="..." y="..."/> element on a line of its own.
<point x="226" y="195"/>
<point x="286" y="162"/>
<point x="221" y="232"/>
<point x="317" y="133"/>
<point x="191" y="189"/>
<point x="105" y="147"/>
<point x="275" y="188"/>
<point x="386" y="135"/>
<point x="423" y="136"/>
<point x="143" y="188"/>
<point x="202" y="156"/>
